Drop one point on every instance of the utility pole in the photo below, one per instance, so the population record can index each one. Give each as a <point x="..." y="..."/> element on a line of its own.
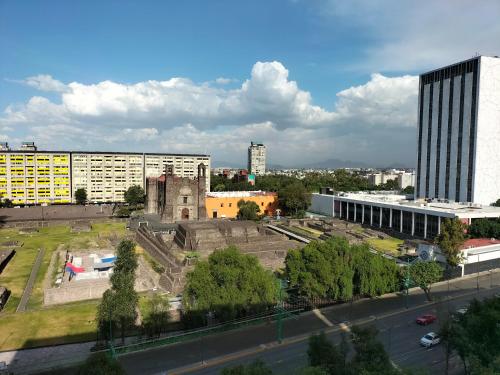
<point x="111" y="346"/>
<point x="477" y="273"/>
<point x="407" y="282"/>
<point x="281" y="311"/>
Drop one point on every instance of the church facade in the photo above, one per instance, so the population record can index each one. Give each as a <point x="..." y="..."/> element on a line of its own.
<point x="176" y="198"/>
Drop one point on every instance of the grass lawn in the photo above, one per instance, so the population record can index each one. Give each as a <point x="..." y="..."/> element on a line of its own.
<point x="388" y="245"/>
<point x="311" y="231"/>
<point x="56" y="325"/>
<point x="61" y="324"/>
<point x="17" y="272"/>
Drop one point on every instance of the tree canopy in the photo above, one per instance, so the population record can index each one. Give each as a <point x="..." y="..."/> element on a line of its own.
<point x="248" y="210"/>
<point x="118" y="307"/>
<point x="134" y="195"/>
<point x="475" y="337"/>
<point x="424" y="274"/>
<point x="484" y="228"/>
<point x="451" y="239"/>
<point x="229" y="285"/>
<point x="81" y="196"/>
<point x="335" y="269"/>
<point x="100" y="364"/>
<point x="294" y="198"/>
<point x="256" y="368"/>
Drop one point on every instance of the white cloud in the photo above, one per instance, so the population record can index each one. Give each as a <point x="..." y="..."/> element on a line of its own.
<point x="178" y="115"/>
<point x="225" y="81"/>
<point x="381" y="101"/>
<point x="45" y="82"/>
<point x="418" y="35"/>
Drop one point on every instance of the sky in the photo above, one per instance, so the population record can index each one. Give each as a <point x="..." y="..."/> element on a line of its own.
<point x="312" y="79"/>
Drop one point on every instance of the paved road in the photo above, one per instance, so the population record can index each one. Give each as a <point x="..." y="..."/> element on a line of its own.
<point x="398" y="332"/>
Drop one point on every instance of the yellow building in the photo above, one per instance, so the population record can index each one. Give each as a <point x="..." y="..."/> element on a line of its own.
<point x="29" y="176"/>
<point x="225" y="204"/>
<point x="35" y="177"/>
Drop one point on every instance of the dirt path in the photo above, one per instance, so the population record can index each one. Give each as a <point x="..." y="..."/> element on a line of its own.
<point x="31" y="281"/>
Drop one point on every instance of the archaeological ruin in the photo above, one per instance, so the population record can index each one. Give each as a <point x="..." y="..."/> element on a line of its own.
<point x="177" y="247"/>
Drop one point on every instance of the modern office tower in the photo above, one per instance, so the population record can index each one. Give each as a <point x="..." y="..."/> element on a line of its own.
<point x="459" y="132"/>
<point x="257" y="158"/>
<point x="35" y="177"/>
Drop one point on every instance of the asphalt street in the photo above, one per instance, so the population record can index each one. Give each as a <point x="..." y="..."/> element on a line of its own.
<point x="398" y="332"/>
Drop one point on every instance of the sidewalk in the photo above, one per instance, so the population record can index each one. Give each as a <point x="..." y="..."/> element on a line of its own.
<point x="38" y="359"/>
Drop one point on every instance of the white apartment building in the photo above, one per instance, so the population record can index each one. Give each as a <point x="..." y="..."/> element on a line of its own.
<point x="36" y="177"/>
<point x="459" y="132"/>
<point x="403" y="178"/>
<point x="257" y="158"/>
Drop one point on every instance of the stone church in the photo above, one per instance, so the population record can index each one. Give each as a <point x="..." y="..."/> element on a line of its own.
<point x="176" y="198"/>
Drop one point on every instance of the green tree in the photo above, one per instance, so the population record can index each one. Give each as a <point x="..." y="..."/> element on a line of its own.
<point x="118" y="307"/>
<point x="484" y="228"/>
<point x="158" y="315"/>
<point x="81" y="196"/>
<point x="248" y="210"/>
<point x="424" y="274"/>
<point x="7" y="203"/>
<point x="256" y="368"/>
<point x="496" y="203"/>
<point x="134" y="195"/>
<point x="451" y="239"/>
<point x="475" y="337"/>
<point x="335" y="269"/>
<point x="323" y="354"/>
<point x="370" y="357"/>
<point x="126" y="258"/>
<point x="408" y="190"/>
<point x="294" y="198"/>
<point x="123" y="211"/>
<point x="389" y="185"/>
<point x="230" y="285"/>
<point x="100" y="364"/>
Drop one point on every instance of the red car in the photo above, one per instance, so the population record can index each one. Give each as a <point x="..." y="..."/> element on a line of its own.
<point x="426" y="319"/>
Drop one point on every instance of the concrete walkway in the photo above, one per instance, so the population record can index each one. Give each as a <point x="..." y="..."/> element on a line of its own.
<point x="31" y="281"/>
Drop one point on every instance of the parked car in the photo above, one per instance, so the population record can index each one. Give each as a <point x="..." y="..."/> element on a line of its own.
<point x="430" y="339"/>
<point x="426" y="319"/>
<point x="463" y="310"/>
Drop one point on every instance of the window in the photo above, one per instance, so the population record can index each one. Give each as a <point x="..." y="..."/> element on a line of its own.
<point x="222" y="204"/>
<point x="230" y="205"/>
<point x="185" y="200"/>
<point x="262" y="204"/>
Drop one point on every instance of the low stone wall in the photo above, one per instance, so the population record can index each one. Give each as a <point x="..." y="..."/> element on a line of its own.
<point x="53" y="223"/>
<point x="86" y="290"/>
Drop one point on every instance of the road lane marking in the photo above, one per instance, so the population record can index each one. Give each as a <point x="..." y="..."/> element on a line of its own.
<point x="323" y="318"/>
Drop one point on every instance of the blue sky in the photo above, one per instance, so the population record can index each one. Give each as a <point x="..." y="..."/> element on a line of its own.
<point x="208" y="76"/>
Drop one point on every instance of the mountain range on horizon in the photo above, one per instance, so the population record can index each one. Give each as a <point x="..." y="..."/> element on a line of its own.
<point x="324" y="164"/>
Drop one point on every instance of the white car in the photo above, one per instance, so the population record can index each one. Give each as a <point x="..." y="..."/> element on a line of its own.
<point x="430" y="339"/>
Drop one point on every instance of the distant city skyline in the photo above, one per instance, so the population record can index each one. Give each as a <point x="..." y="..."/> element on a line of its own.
<point x="314" y="81"/>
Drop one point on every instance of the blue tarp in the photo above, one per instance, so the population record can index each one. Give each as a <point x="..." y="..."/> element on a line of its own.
<point x="106" y="260"/>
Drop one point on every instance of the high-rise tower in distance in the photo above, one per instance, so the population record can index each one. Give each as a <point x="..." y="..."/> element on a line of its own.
<point x="458" y="148"/>
<point x="257" y="158"/>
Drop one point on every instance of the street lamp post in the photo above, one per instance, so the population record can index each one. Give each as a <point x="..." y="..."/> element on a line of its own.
<point x="477" y="273"/>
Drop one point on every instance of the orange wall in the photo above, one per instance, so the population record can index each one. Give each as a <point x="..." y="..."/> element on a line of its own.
<point x="228" y="206"/>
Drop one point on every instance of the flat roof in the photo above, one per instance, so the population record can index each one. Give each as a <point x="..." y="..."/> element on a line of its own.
<point x="98" y="152"/>
<point x="239" y="194"/>
<point x="450" y="209"/>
